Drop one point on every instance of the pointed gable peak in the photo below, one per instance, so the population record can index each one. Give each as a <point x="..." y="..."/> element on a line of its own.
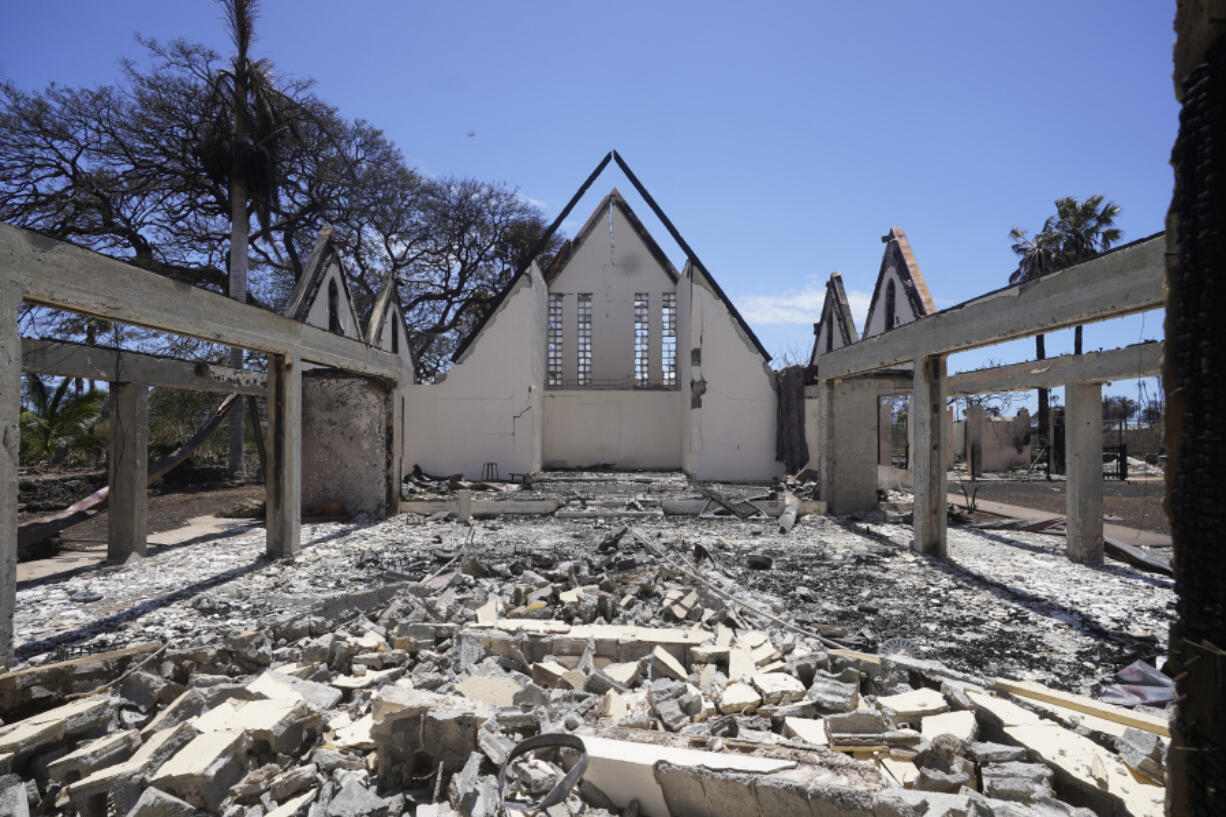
<point x="837" y="327"/>
<point x="324" y="278"/>
<point x="601" y="216"/>
<point x="899" y="271"/>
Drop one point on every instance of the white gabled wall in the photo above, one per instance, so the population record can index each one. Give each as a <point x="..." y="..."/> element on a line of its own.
<point x="904" y="312"/>
<point x="488" y="407"/>
<point x="318" y="313"/>
<point x="732" y="432"/>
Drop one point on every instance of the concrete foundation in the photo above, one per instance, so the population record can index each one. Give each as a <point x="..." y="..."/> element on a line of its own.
<point x="284" y="484"/>
<point x="931" y="429"/>
<point x="1083" y="435"/>
<point x="345" y="443"/>
<point x="127" y="518"/>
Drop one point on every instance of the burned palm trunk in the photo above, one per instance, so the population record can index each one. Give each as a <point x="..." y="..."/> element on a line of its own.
<point x="1195" y="361"/>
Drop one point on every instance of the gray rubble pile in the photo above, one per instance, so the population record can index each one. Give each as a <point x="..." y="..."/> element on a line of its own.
<point x="412" y="697"/>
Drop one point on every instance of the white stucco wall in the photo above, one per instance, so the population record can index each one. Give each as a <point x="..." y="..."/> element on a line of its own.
<point x="613" y="268"/>
<point x="488" y="407"/>
<point x="903" y="312"/>
<point x="318" y="313"/>
<point x="732" y="434"/>
<point x="625" y="428"/>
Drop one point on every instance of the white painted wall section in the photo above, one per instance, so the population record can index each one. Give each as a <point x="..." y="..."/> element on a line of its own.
<point x="732" y="433"/>
<point x="637" y="429"/>
<point x="488" y="407"/>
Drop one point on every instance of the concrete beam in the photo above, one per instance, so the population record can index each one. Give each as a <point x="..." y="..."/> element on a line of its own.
<point x="127" y="526"/>
<point x="55" y="273"/>
<point x="1121" y="282"/>
<point x="1139" y="360"/>
<point x="1083" y="442"/>
<point x="283" y="484"/>
<point x="928" y="455"/>
<point x="10" y="446"/>
<point x="120" y="365"/>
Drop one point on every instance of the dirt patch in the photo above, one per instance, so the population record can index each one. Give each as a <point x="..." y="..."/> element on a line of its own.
<point x="170" y="510"/>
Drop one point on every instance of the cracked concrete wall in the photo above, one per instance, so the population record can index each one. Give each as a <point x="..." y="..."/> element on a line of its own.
<point x="487" y="408"/>
<point x="732" y="432"/>
<point x="345" y="442"/>
<point x="626" y="428"/>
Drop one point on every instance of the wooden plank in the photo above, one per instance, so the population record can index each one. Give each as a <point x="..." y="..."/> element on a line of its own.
<point x="1121" y="282"/>
<point x="59" y="274"/>
<point x="1111" y="712"/>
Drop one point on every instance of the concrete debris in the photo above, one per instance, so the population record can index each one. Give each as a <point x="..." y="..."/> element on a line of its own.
<point x="408" y="697"/>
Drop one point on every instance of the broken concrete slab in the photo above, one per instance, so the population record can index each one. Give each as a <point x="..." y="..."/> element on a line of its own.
<point x="45" y="729"/>
<point x="911" y="707"/>
<point x="778" y="687"/>
<point x="156" y="803"/>
<point x="739" y="697"/>
<point x="98" y="754"/>
<point x="494" y="690"/>
<point x="279" y="723"/>
<point x="961" y="725"/>
<point x="123" y="781"/>
<point x="274" y="684"/>
<point x="1020" y="782"/>
<point x="203" y="771"/>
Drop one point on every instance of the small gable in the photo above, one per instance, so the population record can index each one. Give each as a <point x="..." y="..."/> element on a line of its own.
<point x="322" y="297"/>
<point x="901" y="294"/>
<point x="837" y="327"/>
<point x="387" y="329"/>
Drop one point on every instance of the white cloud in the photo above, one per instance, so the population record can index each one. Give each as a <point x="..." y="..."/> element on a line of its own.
<point x="802" y="305"/>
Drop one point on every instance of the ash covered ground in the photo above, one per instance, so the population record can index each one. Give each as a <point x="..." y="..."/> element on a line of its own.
<point x="1004" y="603"/>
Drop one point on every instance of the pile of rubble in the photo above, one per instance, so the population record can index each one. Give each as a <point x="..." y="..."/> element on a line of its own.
<point x="589" y="686"/>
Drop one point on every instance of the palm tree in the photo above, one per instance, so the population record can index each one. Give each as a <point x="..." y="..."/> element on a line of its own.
<point x="1079" y="230"/>
<point x="239" y="146"/>
<point x="54" y="418"/>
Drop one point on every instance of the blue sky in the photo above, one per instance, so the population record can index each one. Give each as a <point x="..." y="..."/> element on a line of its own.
<point x="783" y="139"/>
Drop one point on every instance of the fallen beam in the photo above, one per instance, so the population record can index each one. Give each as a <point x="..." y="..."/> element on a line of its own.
<point x="120" y="365"/>
<point x="35" y="530"/>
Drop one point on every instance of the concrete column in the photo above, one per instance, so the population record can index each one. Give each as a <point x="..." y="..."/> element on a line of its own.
<point x="976" y="420"/>
<point x="929" y="454"/>
<point x="283" y="486"/>
<point x="851" y="440"/>
<point x="1083" y="446"/>
<point x="127" y="525"/>
<point x="10" y="412"/>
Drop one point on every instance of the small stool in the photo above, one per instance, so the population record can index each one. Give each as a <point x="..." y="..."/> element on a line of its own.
<point x="489" y="472"/>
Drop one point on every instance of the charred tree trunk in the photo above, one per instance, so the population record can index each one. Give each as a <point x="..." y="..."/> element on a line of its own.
<point x="1194" y="378"/>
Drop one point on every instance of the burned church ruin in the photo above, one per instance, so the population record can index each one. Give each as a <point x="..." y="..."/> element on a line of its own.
<point x="573" y="576"/>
